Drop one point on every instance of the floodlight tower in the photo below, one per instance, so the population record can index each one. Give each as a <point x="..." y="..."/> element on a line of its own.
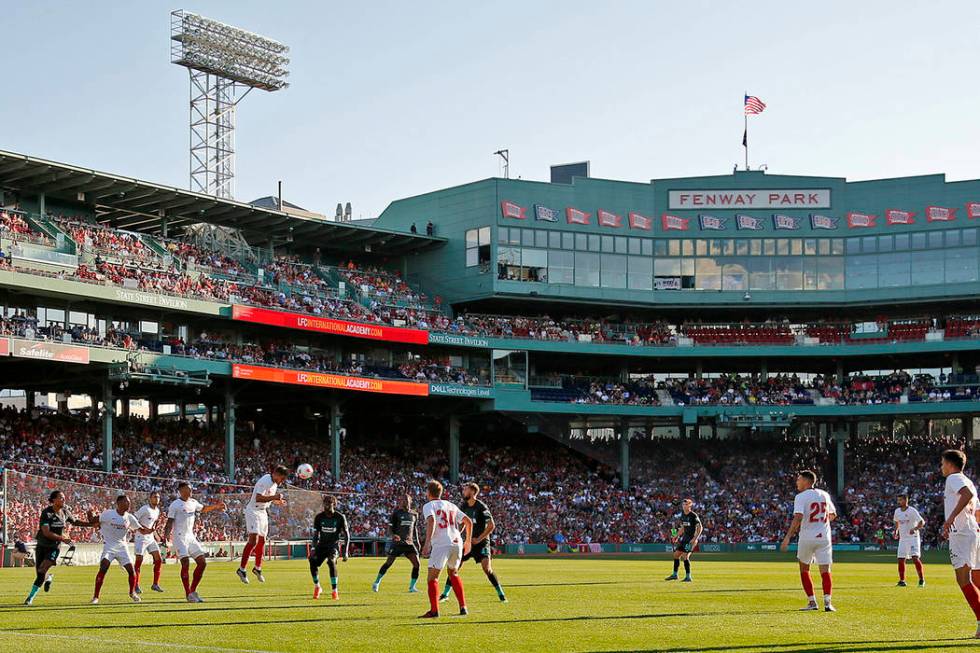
<point x="225" y="63"/>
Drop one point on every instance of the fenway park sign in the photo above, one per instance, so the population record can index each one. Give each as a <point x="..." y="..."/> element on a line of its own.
<point x="776" y="198"/>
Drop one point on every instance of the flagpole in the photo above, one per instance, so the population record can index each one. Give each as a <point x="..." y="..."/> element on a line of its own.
<point x="746" y="116"/>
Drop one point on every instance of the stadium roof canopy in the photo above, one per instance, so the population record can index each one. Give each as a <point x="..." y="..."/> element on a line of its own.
<point x="127" y="203"/>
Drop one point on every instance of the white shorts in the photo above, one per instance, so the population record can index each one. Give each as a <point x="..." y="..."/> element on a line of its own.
<point x="910" y="547"/>
<point x="145" y="544"/>
<point x="257" y="521"/>
<point x="964" y="550"/>
<point x="819" y="552"/>
<point x="117" y="552"/>
<point x="188" y="547"/>
<point x="446" y="555"/>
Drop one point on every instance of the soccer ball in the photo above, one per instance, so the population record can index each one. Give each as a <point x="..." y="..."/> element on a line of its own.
<point x="305" y="471"/>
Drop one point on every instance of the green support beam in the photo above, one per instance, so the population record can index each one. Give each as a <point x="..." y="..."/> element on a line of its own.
<point x="335" y="416"/>
<point x="229" y="433"/>
<point x="624" y="457"/>
<point x="108" y="413"/>
<point x="453" y="449"/>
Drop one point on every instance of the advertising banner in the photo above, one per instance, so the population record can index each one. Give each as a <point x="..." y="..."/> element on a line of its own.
<point x="4" y="346"/>
<point x="49" y="351"/>
<point x="328" y="325"/>
<point x="324" y="380"/>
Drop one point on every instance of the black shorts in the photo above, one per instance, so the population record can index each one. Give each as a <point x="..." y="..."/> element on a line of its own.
<point x="684" y="546"/>
<point x="478" y="552"/>
<point x="42" y="553"/>
<point x="403" y="549"/>
<point x="321" y="554"/>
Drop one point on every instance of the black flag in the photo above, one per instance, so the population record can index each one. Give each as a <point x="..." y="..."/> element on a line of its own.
<point x="745" y="138"/>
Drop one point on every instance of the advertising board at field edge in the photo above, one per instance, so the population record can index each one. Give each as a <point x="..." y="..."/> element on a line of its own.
<point x="324" y="380"/>
<point x="308" y="322"/>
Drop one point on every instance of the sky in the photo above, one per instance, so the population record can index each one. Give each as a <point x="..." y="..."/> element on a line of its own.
<point x="394" y="99"/>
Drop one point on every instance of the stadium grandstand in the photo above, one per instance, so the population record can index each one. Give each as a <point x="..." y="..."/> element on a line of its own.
<point x="591" y="351"/>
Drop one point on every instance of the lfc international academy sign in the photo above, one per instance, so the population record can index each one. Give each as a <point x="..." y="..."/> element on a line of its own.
<point x="328" y="325"/>
<point x="325" y="380"/>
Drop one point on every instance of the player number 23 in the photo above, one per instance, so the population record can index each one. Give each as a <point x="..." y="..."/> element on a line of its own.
<point x="818" y="512"/>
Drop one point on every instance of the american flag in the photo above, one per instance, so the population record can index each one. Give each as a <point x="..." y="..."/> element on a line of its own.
<point x="753" y="105"/>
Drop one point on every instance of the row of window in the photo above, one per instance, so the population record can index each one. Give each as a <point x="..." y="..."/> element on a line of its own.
<point x="601" y="270"/>
<point x="542" y="238"/>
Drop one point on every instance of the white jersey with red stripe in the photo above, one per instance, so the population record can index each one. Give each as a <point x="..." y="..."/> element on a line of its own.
<point x="447" y="519"/>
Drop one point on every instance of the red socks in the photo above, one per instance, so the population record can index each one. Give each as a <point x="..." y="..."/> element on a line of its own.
<point x="132" y="583"/>
<point x="918" y="569"/>
<point x="433" y="586"/>
<point x="457" y="584"/>
<point x="246" y="554"/>
<point x="972" y="597"/>
<point x="828" y="584"/>
<point x="136" y="568"/>
<point x="901" y="569"/>
<point x="99" y="579"/>
<point x="259" y="549"/>
<point x="807" y="583"/>
<point x="185" y="578"/>
<point x="157" y="568"/>
<point x="198" y="572"/>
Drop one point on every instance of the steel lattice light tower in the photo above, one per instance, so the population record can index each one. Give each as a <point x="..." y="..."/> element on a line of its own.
<point x="225" y="63"/>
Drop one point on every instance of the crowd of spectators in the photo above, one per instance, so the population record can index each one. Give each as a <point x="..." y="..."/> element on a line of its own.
<point x="113" y="243"/>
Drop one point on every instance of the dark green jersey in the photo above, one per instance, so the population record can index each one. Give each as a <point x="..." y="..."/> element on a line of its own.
<point x="329" y="529"/>
<point x="403" y="525"/>
<point x="480" y="515"/>
<point x="55" y="521"/>
<point x="690" y="523"/>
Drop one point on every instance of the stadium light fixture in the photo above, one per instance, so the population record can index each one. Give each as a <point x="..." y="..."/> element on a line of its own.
<point x="225" y="63"/>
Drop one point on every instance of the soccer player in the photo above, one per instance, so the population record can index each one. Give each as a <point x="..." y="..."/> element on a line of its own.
<point x="813" y="510"/>
<point x="257" y="519"/>
<point x="329" y="528"/>
<point x="403" y="524"/>
<point x="908" y="523"/>
<point x="483" y="527"/>
<point x="50" y="535"/>
<point x="148" y="516"/>
<point x="445" y="545"/>
<point x="688" y="540"/>
<point x="961" y="505"/>
<point x="181" y="516"/>
<point x="115" y="525"/>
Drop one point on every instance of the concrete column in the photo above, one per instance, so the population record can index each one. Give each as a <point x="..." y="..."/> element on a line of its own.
<point x="764" y="368"/>
<point x="108" y="413"/>
<point x="154" y="409"/>
<point x="63" y="404"/>
<point x="840" y="371"/>
<point x="124" y="404"/>
<point x="209" y="414"/>
<point x="41" y="204"/>
<point x="164" y="227"/>
<point x="967" y="428"/>
<point x="229" y="433"/>
<point x="335" y="416"/>
<point x="698" y="369"/>
<point x="183" y="409"/>
<point x="624" y="457"/>
<point x="955" y="363"/>
<point x="29" y="399"/>
<point x="453" y="449"/>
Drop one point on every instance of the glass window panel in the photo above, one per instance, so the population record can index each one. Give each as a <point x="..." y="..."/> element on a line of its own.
<point x="621" y="244"/>
<point x="674" y="247"/>
<point x="701" y="247"/>
<point x="823" y="246"/>
<point x="587" y="269"/>
<point x="707" y="274"/>
<point x="810" y="246"/>
<point x="647" y="246"/>
<point x="660" y="248"/>
<point x="953" y="238"/>
<point x="869" y="244"/>
<point x="961" y="265"/>
<point x="613" y="271"/>
<point x="789" y="273"/>
<point x="796" y="247"/>
<point x="741" y="247"/>
<point x="760" y="273"/>
<point x="901" y="242"/>
<point x="861" y="272"/>
<point x="667" y="267"/>
<point x="640" y="273"/>
<point x="472" y="256"/>
<point x="540" y="238"/>
<point x="769" y="246"/>
<point x="472" y="237"/>
<point x="830" y="273"/>
<point x="926" y="273"/>
<point x="728" y="247"/>
<point x="715" y="246"/>
<point x="837" y="246"/>
<point x="893" y="270"/>
<point x="687" y="267"/>
<point x="593" y="243"/>
<point x="484" y="235"/>
<point x="885" y="243"/>
<point x="571" y="241"/>
<point x="918" y="241"/>
<point x="509" y="255"/>
<point x="527" y="237"/>
<point x="755" y="247"/>
<point x="635" y="246"/>
<point x="561" y="267"/>
<point x="810" y="272"/>
<point x="607" y="244"/>
<point x="853" y="245"/>
<point x="734" y="275"/>
<point x="503" y="236"/>
<point x="687" y="247"/>
<point x="969" y="237"/>
<point x="554" y="239"/>
<point x="935" y="239"/>
<point x="534" y="258"/>
<point x="782" y="246"/>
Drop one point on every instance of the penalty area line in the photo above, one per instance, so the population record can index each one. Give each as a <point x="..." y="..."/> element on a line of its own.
<point x="132" y="642"/>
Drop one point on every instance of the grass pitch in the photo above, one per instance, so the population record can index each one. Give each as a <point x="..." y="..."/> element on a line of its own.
<point x="739" y="604"/>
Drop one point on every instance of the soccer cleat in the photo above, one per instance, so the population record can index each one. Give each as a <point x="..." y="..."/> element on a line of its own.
<point x="429" y="615"/>
<point x="156" y="588"/>
<point x="413" y="590"/>
<point x="671" y="577"/>
<point x="503" y="599"/>
<point x="258" y="574"/>
<point x="687" y="579"/>
<point x="902" y="583"/>
<point x="139" y="590"/>
<point x="335" y="595"/>
<point x="922" y="582"/>
<point x="810" y="607"/>
<point x="316" y="591"/>
<point x="29" y="601"/>
<point x="135" y="597"/>
<point x="375" y="587"/>
<point x="443" y="598"/>
<point x="47" y="582"/>
<point x="242" y="576"/>
<point x="463" y="611"/>
<point x="194" y="598"/>
<point x="829" y="608"/>
<point x="94" y="601"/>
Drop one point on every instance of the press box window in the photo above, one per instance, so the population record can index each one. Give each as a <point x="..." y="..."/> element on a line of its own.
<point x="478" y="247"/>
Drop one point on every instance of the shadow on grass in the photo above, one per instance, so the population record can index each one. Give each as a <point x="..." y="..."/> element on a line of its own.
<point x="825" y="647"/>
<point x="620" y="617"/>
<point x="206" y="624"/>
